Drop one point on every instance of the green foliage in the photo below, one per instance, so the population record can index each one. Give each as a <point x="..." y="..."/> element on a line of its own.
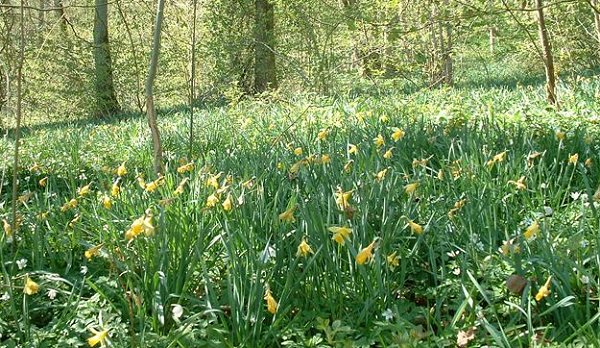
<point x="200" y="275"/>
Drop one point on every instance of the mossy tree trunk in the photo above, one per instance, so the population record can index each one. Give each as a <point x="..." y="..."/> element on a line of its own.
<point x="546" y="54"/>
<point x="106" y="100"/>
<point x="265" y="72"/>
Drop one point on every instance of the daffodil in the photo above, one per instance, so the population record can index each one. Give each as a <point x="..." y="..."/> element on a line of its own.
<point x="7" y="228"/>
<point x="31" y="287"/>
<point x="415" y="227"/>
<point x="185" y="168"/>
<point x="212" y="200"/>
<point x="411" y="188"/>
<point x="322" y="135"/>
<point x="519" y="184"/>
<point x="69" y="205"/>
<point x="348" y="166"/>
<point x="352" y="149"/>
<point x="379" y="141"/>
<point x="544" y="290"/>
<point x="573" y="159"/>
<point x="141" y="182"/>
<point x="420" y="162"/>
<point x="43" y="181"/>
<point x="588" y="163"/>
<point x="500" y="157"/>
<point x="98" y="338"/>
<point x="84" y="190"/>
<point x="227" y="203"/>
<point x="153" y="185"/>
<point x="74" y="221"/>
<point x="532" y="230"/>
<point x="115" y="190"/>
<point x="340" y="234"/>
<point x="298" y="151"/>
<point x="303" y="248"/>
<point x="560" y="135"/>
<point x="381" y="175"/>
<point x="122" y="170"/>
<point x="106" y="202"/>
<point x="388" y="154"/>
<point x="365" y="254"/>
<point x="141" y="224"/>
<point x="181" y="186"/>
<point x="397" y="134"/>
<point x="342" y="198"/>
<point x="213" y="181"/>
<point x="384" y="118"/>
<point x="393" y="260"/>
<point x="325" y="159"/>
<point x="272" y="304"/>
<point x="457" y="206"/>
<point x="93" y="251"/>
<point x="288" y="215"/>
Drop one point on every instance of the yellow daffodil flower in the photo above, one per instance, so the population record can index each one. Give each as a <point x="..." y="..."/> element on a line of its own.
<point x="181" y="186"/>
<point x="393" y="260"/>
<point x="122" y="170"/>
<point x="7" y="228"/>
<point x="303" y="248"/>
<point x="82" y="191"/>
<point x="398" y="134"/>
<point x="298" y="151"/>
<point x="288" y="215"/>
<point x="325" y="159"/>
<point x="43" y="181"/>
<point x="69" y="205"/>
<point x="98" y="338"/>
<point x="388" y="154"/>
<point x="141" y="182"/>
<point x="519" y="184"/>
<point x="379" y="141"/>
<point x="115" y="190"/>
<point x="227" y="203"/>
<point x="352" y="149"/>
<point x="31" y="287"/>
<point x="212" y="200"/>
<point x="322" y="135"/>
<point x="93" y="251"/>
<point x="544" y="290"/>
<point x="381" y="175"/>
<point x="272" y="304"/>
<point x="411" y="188"/>
<point x="560" y="135"/>
<point x="365" y="254"/>
<point x="573" y="159"/>
<point x="340" y="234"/>
<point x="185" y="168"/>
<point x="415" y="227"/>
<point x="532" y="230"/>
<point x="342" y="198"/>
<point x="588" y="163"/>
<point x="213" y="181"/>
<point x="348" y="166"/>
<point x="106" y="202"/>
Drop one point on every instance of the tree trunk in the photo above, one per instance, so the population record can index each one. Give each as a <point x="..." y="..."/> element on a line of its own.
<point x="447" y="53"/>
<point x="150" y="109"/>
<point x="106" y="100"/>
<point x="265" y="74"/>
<point x="61" y="15"/>
<point x="546" y="54"/>
<point x="596" y="4"/>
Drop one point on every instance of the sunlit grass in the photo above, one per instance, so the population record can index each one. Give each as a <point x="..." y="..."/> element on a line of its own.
<point x="438" y="189"/>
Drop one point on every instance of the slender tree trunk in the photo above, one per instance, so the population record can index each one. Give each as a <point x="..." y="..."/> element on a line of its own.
<point x="265" y="74"/>
<point x="546" y="54"/>
<point x="596" y="4"/>
<point x="447" y="53"/>
<point x="106" y="100"/>
<point x="150" y="109"/>
<point x="61" y="15"/>
<point x="492" y="28"/>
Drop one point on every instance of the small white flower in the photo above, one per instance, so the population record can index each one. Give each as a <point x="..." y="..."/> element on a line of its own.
<point x="22" y="263"/>
<point x="177" y="311"/>
<point x="52" y="294"/>
<point x="583" y="243"/>
<point x="83" y="270"/>
<point x="5" y="297"/>
<point x="388" y="314"/>
<point x="585" y="279"/>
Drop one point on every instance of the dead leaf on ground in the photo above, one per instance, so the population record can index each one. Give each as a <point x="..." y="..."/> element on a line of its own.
<point x="516" y="283"/>
<point x="464" y="337"/>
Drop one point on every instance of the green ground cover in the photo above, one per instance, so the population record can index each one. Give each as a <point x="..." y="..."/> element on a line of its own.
<point x="366" y="219"/>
